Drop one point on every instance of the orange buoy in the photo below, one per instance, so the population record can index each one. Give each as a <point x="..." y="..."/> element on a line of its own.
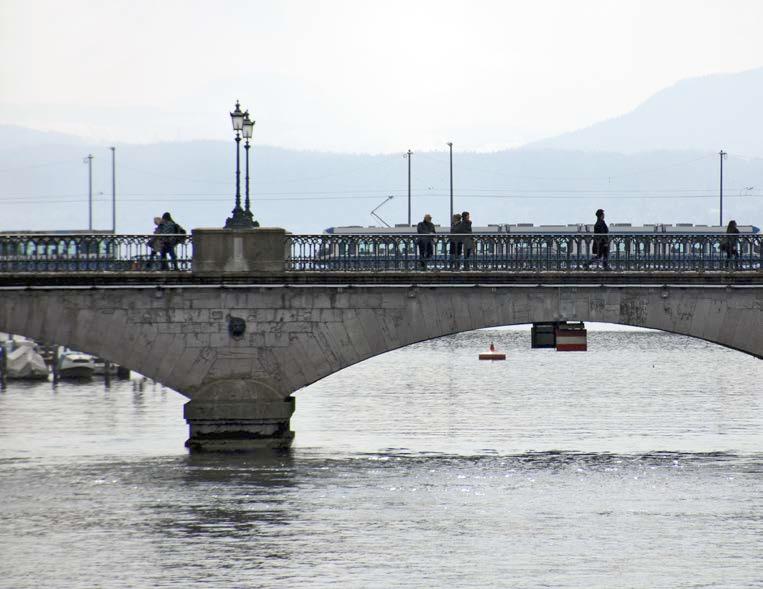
<point x="491" y="354"/>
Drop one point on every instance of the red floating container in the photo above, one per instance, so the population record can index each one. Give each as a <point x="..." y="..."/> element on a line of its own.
<point x="571" y="339"/>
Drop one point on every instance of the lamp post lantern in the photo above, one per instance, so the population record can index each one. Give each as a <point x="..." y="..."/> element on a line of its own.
<point x="238" y="219"/>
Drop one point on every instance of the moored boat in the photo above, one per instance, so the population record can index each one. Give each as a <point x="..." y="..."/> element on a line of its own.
<point x="75" y="365"/>
<point x="24" y="363"/>
<point x="100" y="367"/>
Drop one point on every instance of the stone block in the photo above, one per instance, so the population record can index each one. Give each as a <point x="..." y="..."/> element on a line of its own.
<point x="170" y="357"/>
<point x="276" y="340"/>
<point x="329" y="315"/>
<point x="368" y="299"/>
<point x="196" y="340"/>
<point x="393" y="299"/>
<point x="265" y="298"/>
<point x="335" y="335"/>
<point x="732" y="330"/>
<point x="265" y="314"/>
<point x="169" y="327"/>
<point x="368" y="322"/>
<point x="323" y="343"/>
<point x="341" y="299"/>
<point x="489" y="307"/>
<point x="321" y="300"/>
<point x="242" y="251"/>
<point x="286" y="315"/>
<point x="298" y="326"/>
<point x="206" y="302"/>
<point x="190" y="371"/>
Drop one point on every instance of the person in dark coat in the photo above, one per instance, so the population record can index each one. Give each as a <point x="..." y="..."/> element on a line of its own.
<point x="600" y="242"/>
<point x="465" y="226"/>
<point x="155" y="243"/>
<point x="730" y="244"/>
<point x="456" y="245"/>
<point x="168" y="227"/>
<point x="426" y="244"/>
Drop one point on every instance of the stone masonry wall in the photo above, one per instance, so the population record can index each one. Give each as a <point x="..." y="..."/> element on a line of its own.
<point x="297" y="335"/>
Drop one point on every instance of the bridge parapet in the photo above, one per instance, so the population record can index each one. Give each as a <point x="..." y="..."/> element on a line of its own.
<point x="518" y="252"/>
<point x="273" y="250"/>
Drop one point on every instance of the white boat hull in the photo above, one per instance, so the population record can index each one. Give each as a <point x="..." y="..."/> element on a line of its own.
<point x="24" y="363"/>
<point x="75" y="366"/>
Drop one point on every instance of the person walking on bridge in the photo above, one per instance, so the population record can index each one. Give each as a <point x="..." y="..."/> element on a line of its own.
<point x="155" y="243"/>
<point x="169" y="228"/>
<point x="467" y="242"/>
<point x="600" y="242"/>
<point x="730" y="244"/>
<point x="426" y="244"/>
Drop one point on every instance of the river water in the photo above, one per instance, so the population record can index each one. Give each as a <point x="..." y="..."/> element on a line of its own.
<point x="636" y="464"/>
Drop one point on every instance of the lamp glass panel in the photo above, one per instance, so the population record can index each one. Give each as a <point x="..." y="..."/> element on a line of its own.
<point x="237" y="118"/>
<point x="248" y="128"/>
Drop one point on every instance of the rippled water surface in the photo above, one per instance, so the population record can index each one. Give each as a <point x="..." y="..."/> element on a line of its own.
<point x="636" y="464"/>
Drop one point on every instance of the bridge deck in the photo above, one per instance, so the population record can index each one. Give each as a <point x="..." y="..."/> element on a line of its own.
<point x="180" y="279"/>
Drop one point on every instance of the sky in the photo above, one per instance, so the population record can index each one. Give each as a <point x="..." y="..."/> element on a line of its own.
<point x="357" y="76"/>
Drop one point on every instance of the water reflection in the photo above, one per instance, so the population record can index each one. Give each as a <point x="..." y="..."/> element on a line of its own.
<point x="422" y="467"/>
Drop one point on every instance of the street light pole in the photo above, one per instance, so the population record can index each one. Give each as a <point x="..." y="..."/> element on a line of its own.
<point x="238" y="171"/>
<point x="408" y="155"/>
<point x="238" y="219"/>
<point x="450" y="145"/>
<point x="89" y="161"/>
<point x="722" y="155"/>
<point x="113" y="190"/>
<point x="248" y="130"/>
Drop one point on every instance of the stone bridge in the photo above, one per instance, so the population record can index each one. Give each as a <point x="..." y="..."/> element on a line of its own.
<point x="239" y="343"/>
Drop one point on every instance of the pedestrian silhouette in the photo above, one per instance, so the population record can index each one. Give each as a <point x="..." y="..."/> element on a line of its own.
<point x="600" y="248"/>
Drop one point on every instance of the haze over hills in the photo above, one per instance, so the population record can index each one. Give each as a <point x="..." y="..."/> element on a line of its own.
<point x="658" y="163"/>
<point x="721" y="111"/>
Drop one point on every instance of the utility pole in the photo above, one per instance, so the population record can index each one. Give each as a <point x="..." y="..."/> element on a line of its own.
<point x="113" y="190"/>
<point x="722" y="155"/>
<point x="89" y="161"/>
<point x="408" y="155"/>
<point x="450" y="219"/>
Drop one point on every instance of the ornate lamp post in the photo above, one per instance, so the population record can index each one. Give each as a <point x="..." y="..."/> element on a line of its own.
<point x="248" y="129"/>
<point x="238" y="219"/>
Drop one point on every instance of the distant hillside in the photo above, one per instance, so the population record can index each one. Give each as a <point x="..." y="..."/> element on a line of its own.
<point x="710" y="113"/>
<point x="44" y="186"/>
<point x="14" y="137"/>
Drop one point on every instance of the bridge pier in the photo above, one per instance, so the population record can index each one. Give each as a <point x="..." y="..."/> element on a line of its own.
<point x="238" y="426"/>
<point x="234" y="422"/>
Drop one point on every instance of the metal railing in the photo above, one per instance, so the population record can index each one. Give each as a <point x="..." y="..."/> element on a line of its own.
<point x="93" y="253"/>
<point x="513" y="252"/>
<point x="524" y="252"/>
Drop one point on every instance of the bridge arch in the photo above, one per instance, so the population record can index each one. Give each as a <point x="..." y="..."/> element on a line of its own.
<point x="239" y="352"/>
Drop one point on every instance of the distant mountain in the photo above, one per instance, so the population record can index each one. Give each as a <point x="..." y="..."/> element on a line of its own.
<point x="723" y="111"/>
<point x="14" y="137"/>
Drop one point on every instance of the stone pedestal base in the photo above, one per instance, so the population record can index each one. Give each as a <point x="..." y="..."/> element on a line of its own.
<point x="238" y="426"/>
<point x="231" y="251"/>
